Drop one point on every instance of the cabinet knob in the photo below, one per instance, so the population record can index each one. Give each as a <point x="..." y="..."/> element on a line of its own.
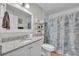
<point x="30" y="47"/>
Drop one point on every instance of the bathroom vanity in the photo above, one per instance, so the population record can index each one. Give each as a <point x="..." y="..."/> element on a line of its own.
<point x="19" y="39"/>
<point x="20" y="47"/>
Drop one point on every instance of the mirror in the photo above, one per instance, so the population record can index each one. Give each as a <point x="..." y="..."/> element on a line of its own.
<point x="25" y="22"/>
<point x="19" y="17"/>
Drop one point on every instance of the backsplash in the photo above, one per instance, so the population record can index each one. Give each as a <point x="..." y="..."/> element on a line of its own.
<point x="22" y="37"/>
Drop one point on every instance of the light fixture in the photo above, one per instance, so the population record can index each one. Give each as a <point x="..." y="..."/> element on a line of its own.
<point x="27" y="5"/>
<point x="21" y="3"/>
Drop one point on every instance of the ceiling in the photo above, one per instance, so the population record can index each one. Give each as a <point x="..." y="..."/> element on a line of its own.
<point x="52" y="8"/>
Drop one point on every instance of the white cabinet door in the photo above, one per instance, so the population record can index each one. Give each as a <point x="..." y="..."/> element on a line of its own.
<point x="24" y="51"/>
<point x="36" y="48"/>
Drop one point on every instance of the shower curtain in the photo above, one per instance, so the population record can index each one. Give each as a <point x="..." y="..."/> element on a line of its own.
<point x="64" y="33"/>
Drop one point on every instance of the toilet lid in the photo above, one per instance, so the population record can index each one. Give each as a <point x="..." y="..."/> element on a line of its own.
<point x="48" y="47"/>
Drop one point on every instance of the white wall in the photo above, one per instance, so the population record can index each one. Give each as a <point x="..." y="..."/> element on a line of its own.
<point x="37" y="12"/>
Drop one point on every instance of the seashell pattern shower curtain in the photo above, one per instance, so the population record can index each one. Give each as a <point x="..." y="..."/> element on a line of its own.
<point x="63" y="33"/>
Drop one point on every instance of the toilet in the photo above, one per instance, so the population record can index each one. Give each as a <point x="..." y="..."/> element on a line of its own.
<point x="46" y="49"/>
